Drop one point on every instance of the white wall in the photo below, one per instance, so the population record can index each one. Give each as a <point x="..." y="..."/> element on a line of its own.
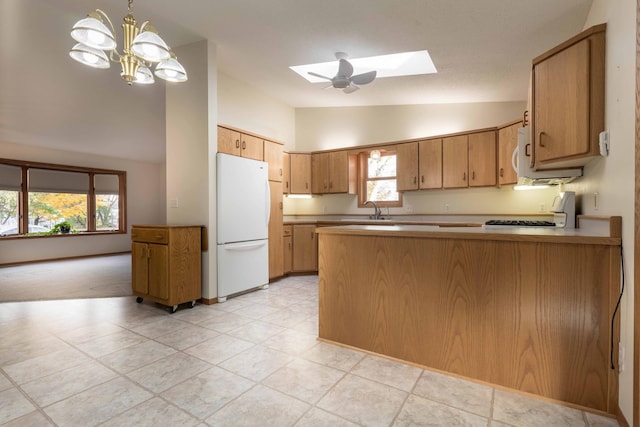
<point x="244" y="107"/>
<point x="190" y="145"/>
<point x="145" y="205"/>
<point x="613" y="177"/>
<point x="327" y="128"/>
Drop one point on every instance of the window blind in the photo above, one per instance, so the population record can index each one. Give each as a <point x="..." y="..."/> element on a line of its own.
<point x="10" y="177"/>
<point x="50" y="181"/>
<point x="106" y="184"/>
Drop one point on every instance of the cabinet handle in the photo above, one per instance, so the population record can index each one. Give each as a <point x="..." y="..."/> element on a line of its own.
<point x="280" y="205"/>
<point x="286" y="184"/>
<point x="415" y="179"/>
<point x="312" y="235"/>
<point x="306" y="185"/>
<point x="422" y="179"/>
<point x="464" y="176"/>
<point x="280" y="171"/>
<point x="501" y="172"/>
<point x="237" y="143"/>
<point x="541" y="142"/>
<point x="244" y="145"/>
<point x="473" y="175"/>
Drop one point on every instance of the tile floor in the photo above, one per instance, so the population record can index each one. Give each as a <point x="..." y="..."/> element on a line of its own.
<point x="252" y="361"/>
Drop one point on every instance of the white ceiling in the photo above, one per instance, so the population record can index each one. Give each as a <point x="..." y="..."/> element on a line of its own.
<point x="481" y="49"/>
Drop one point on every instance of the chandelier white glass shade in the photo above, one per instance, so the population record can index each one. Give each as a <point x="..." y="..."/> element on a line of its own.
<point x="141" y="48"/>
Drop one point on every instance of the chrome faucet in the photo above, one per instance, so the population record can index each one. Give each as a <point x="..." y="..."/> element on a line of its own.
<point x="377" y="213"/>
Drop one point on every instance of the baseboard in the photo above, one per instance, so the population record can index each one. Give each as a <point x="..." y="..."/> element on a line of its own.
<point x="13" y="264"/>
<point x="208" y="301"/>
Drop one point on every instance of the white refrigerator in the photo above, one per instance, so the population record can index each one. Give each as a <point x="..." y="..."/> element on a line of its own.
<point x="243" y="209"/>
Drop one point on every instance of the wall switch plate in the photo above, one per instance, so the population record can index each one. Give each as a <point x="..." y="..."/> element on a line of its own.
<point x="173" y="203"/>
<point x="604" y="143"/>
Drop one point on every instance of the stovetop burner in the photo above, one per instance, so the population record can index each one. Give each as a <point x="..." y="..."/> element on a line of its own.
<point x="519" y="223"/>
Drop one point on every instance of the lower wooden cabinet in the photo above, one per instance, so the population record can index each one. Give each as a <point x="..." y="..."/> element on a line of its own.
<point x="287" y="249"/>
<point x="305" y="248"/>
<point x="166" y="264"/>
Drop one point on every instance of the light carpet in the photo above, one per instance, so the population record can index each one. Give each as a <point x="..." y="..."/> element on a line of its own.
<point x="94" y="277"/>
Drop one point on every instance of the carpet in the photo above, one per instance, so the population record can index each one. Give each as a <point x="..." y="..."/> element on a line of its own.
<point x="94" y="277"/>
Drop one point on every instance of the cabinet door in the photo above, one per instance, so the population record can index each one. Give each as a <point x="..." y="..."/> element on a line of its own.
<point x="252" y="147"/>
<point x="159" y="271"/>
<point x="228" y="141"/>
<point x="339" y="175"/>
<point x="273" y="156"/>
<point x="407" y="166"/>
<point x="140" y="267"/>
<point x="430" y="161"/>
<point x="455" y="162"/>
<point x="320" y="173"/>
<point x="286" y="173"/>
<point x="507" y="142"/>
<point x="300" y="173"/>
<point x="305" y="248"/>
<point x="482" y="159"/>
<point x="561" y="103"/>
<point x="275" y="231"/>
<point x="287" y="253"/>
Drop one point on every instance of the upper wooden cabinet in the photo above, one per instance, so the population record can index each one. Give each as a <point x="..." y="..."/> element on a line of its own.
<point x="300" y="178"/>
<point x="482" y="159"/>
<point x="419" y="165"/>
<point x="273" y="156"/>
<point x="239" y="144"/>
<point x="286" y="173"/>
<point x="333" y="172"/>
<point x="568" y="101"/>
<point x="507" y="142"/>
<point x="455" y="161"/>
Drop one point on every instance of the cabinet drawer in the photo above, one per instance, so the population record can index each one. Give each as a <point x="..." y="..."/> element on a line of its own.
<point x="150" y="235"/>
<point x="286" y="230"/>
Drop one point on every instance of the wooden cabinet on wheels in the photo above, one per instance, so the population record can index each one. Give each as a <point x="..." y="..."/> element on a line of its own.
<point x="166" y="264"/>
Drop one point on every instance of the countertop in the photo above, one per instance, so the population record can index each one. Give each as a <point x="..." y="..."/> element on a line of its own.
<point x="595" y="230"/>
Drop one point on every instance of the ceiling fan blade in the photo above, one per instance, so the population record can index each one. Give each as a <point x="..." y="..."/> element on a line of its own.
<point x="351" y="88"/>
<point x="319" y="75"/>
<point x="364" y="78"/>
<point x="345" y="69"/>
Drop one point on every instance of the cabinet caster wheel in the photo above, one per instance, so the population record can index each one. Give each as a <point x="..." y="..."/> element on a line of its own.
<point x="192" y="304"/>
<point x="174" y="308"/>
<point x="139" y="300"/>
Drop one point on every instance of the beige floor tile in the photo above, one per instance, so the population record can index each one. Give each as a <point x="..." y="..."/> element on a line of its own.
<point x="256" y="331"/>
<point x="308" y="326"/>
<point x="292" y="342"/>
<point x="304" y="380"/>
<point x="600" y="421"/>
<point x="165" y="373"/>
<point x="461" y="394"/>
<point x="363" y="401"/>
<point x="89" y="332"/>
<point x="523" y="411"/>
<point x="136" y="356"/>
<point x="285" y="317"/>
<point x="13" y="405"/>
<point x="41" y="366"/>
<point x="225" y="322"/>
<point x="32" y="419"/>
<point x="55" y="387"/>
<point x="259" y="406"/>
<point x="255" y="311"/>
<point x="25" y="347"/>
<point x="111" y="343"/>
<point x="218" y="349"/>
<point x="256" y="363"/>
<point x="422" y="412"/>
<point x="204" y="394"/>
<point x="160" y="327"/>
<point x="388" y="372"/>
<point x="4" y="382"/>
<point x="334" y="356"/>
<point x="319" y="418"/>
<point x="187" y="337"/>
<point x="154" y="412"/>
<point x="98" y="404"/>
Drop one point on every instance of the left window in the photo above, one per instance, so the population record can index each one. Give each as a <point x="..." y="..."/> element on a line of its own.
<point x="43" y="199"/>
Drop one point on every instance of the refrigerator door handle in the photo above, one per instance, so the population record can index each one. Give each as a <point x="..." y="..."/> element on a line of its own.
<point x="267" y="202"/>
<point x="246" y="246"/>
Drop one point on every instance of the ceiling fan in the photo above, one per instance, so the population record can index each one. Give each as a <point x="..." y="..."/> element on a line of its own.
<point x="344" y="78"/>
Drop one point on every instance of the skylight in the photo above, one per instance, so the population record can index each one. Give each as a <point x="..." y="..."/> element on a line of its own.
<point x="393" y="65"/>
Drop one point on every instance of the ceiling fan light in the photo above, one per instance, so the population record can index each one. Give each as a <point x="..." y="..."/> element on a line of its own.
<point x="150" y="47"/>
<point x="92" y="32"/>
<point x="144" y="75"/>
<point x="90" y="56"/>
<point x="171" y="70"/>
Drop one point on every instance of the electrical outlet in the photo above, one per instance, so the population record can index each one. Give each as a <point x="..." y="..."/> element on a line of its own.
<point x="408" y="207"/>
<point x="620" y="357"/>
<point x="596" y="201"/>
<point x="446" y="207"/>
<point x="173" y="203"/>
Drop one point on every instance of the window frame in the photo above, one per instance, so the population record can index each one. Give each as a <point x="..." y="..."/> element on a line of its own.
<point x="23" y="197"/>
<point x="363" y="178"/>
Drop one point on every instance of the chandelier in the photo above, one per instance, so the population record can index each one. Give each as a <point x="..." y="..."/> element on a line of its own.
<point x="142" y="48"/>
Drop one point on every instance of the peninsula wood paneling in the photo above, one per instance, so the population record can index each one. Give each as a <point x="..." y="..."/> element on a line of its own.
<point x="529" y="316"/>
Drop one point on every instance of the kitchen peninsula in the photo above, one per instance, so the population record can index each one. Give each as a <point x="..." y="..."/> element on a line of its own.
<point x="527" y="309"/>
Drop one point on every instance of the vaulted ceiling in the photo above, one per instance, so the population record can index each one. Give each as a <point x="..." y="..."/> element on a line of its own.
<point x="481" y="49"/>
